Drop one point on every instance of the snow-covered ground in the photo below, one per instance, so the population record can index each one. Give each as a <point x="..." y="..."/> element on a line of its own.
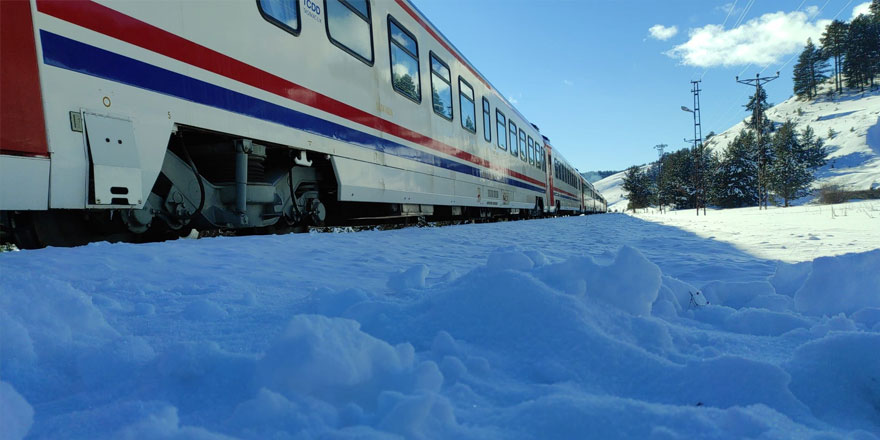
<point x="581" y="327"/>
<point x="849" y="124"/>
<point x="797" y="233"/>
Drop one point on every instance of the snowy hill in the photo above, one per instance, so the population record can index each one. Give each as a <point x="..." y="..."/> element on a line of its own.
<point x="599" y="330"/>
<point x="595" y="176"/>
<point x="853" y="150"/>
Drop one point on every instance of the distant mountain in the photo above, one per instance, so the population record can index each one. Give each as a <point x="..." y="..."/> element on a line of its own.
<point x="848" y="123"/>
<point x="595" y="176"/>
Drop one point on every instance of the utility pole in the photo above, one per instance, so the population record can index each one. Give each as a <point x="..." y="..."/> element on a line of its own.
<point x="699" y="190"/>
<point x="660" y="148"/>
<point x="757" y="116"/>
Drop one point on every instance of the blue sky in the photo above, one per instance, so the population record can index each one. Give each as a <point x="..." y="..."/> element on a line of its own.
<point x="605" y="87"/>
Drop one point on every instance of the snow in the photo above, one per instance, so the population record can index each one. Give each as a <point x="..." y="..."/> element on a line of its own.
<point x="607" y="326"/>
<point x="792" y="234"/>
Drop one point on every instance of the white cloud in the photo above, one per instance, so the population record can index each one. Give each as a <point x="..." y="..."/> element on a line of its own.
<point x="861" y="9"/>
<point x="662" y="33"/>
<point x="568" y="82"/>
<point x="512" y="100"/>
<point x="762" y="41"/>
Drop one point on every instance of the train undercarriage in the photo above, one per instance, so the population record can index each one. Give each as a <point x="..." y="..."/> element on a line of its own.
<point x="218" y="184"/>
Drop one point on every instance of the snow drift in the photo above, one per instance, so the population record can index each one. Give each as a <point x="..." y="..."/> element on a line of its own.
<point x="569" y="340"/>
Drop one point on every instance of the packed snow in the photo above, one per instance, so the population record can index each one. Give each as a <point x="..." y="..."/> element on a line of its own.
<point x="605" y="326"/>
<point x="793" y="234"/>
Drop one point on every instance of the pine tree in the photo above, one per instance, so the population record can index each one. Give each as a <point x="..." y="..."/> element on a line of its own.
<point x="796" y="157"/>
<point x="814" y="152"/>
<point x="439" y="105"/>
<point x="809" y="71"/>
<point x="833" y="43"/>
<point x="862" y="52"/>
<point x="405" y="84"/>
<point x="753" y="106"/>
<point x="677" y="179"/>
<point x="638" y="188"/>
<point x="736" y="182"/>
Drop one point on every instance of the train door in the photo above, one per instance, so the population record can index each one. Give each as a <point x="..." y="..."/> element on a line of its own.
<point x="550" y="168"/>
<point x="583" y="200"/>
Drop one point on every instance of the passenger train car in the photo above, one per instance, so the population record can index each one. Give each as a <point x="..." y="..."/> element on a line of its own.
<point x="141" y="120"/>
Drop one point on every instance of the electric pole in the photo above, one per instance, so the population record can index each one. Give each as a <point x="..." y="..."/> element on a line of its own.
<point x="699" y="190"/>
<point x="660" y="148"/>
<point x="757" y="116"/>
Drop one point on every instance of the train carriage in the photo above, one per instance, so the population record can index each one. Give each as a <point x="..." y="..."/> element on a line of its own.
<point x="152" y="118"/>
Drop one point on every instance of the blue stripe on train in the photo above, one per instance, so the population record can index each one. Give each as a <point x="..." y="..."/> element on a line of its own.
<point x="73" y="55"/>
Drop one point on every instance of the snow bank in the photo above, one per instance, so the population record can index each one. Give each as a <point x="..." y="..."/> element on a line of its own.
<point x="846" y="284"/>
<point x="580" y="339"/>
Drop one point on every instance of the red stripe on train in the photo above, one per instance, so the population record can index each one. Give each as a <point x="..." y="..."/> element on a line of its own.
<point x="22" y="123"/>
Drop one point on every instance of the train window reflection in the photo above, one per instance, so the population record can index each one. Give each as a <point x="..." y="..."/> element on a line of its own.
<point x="467" y="106"/>
<point x="522" y="145"/>
<point x="531" y="151"/>
<point x="487" y="125"/>
<point x="441" y="88"/>
<point x="501" y="126"/>
<point x="349" y="28"/>
<point x="404" y="61"/>
<point x="513" y="146"/>
<point x="359" y="6"/>
<point x="281" y="13"/>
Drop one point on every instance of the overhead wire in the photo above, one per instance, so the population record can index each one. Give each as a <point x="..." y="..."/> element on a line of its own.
<point x="730" y="112"/>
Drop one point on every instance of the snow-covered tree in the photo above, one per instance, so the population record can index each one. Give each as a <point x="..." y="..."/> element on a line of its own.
<point x="809" y="71"/>
<point x="638" y="188"/>
<point x="833" y="43"/>
<point x="862" y="52"/>
<point x="796" y="156"/>
<point x="736" y="181"/>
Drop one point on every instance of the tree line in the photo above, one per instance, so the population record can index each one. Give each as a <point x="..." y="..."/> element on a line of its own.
<point x="854" y="49"/>
<point x="732" y="179"/>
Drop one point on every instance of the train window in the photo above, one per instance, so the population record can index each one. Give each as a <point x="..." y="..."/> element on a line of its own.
<point x="467" y="106"/>
<point x="281" y="13"/>
<point x="514" y="149"/>
<point x="360" y="5"/>
<point x="441" y="87"/>
<point x="523" y="146"/>
<point x="348" y="27"/>
<point x="487" y="122"/>
<point x="404" y="61"/>
<point x="531" y="152"/>
<point x="501" y="127"/>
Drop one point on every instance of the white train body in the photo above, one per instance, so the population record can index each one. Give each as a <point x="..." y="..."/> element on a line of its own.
<point x="118" y="82"/>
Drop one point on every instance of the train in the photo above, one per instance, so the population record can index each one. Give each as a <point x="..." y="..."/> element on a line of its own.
<point x="140" y="121"/>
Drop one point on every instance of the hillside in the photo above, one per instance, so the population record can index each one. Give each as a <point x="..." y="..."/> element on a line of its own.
<point x="595" y="176"/>
<point x="853" y="147"/>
